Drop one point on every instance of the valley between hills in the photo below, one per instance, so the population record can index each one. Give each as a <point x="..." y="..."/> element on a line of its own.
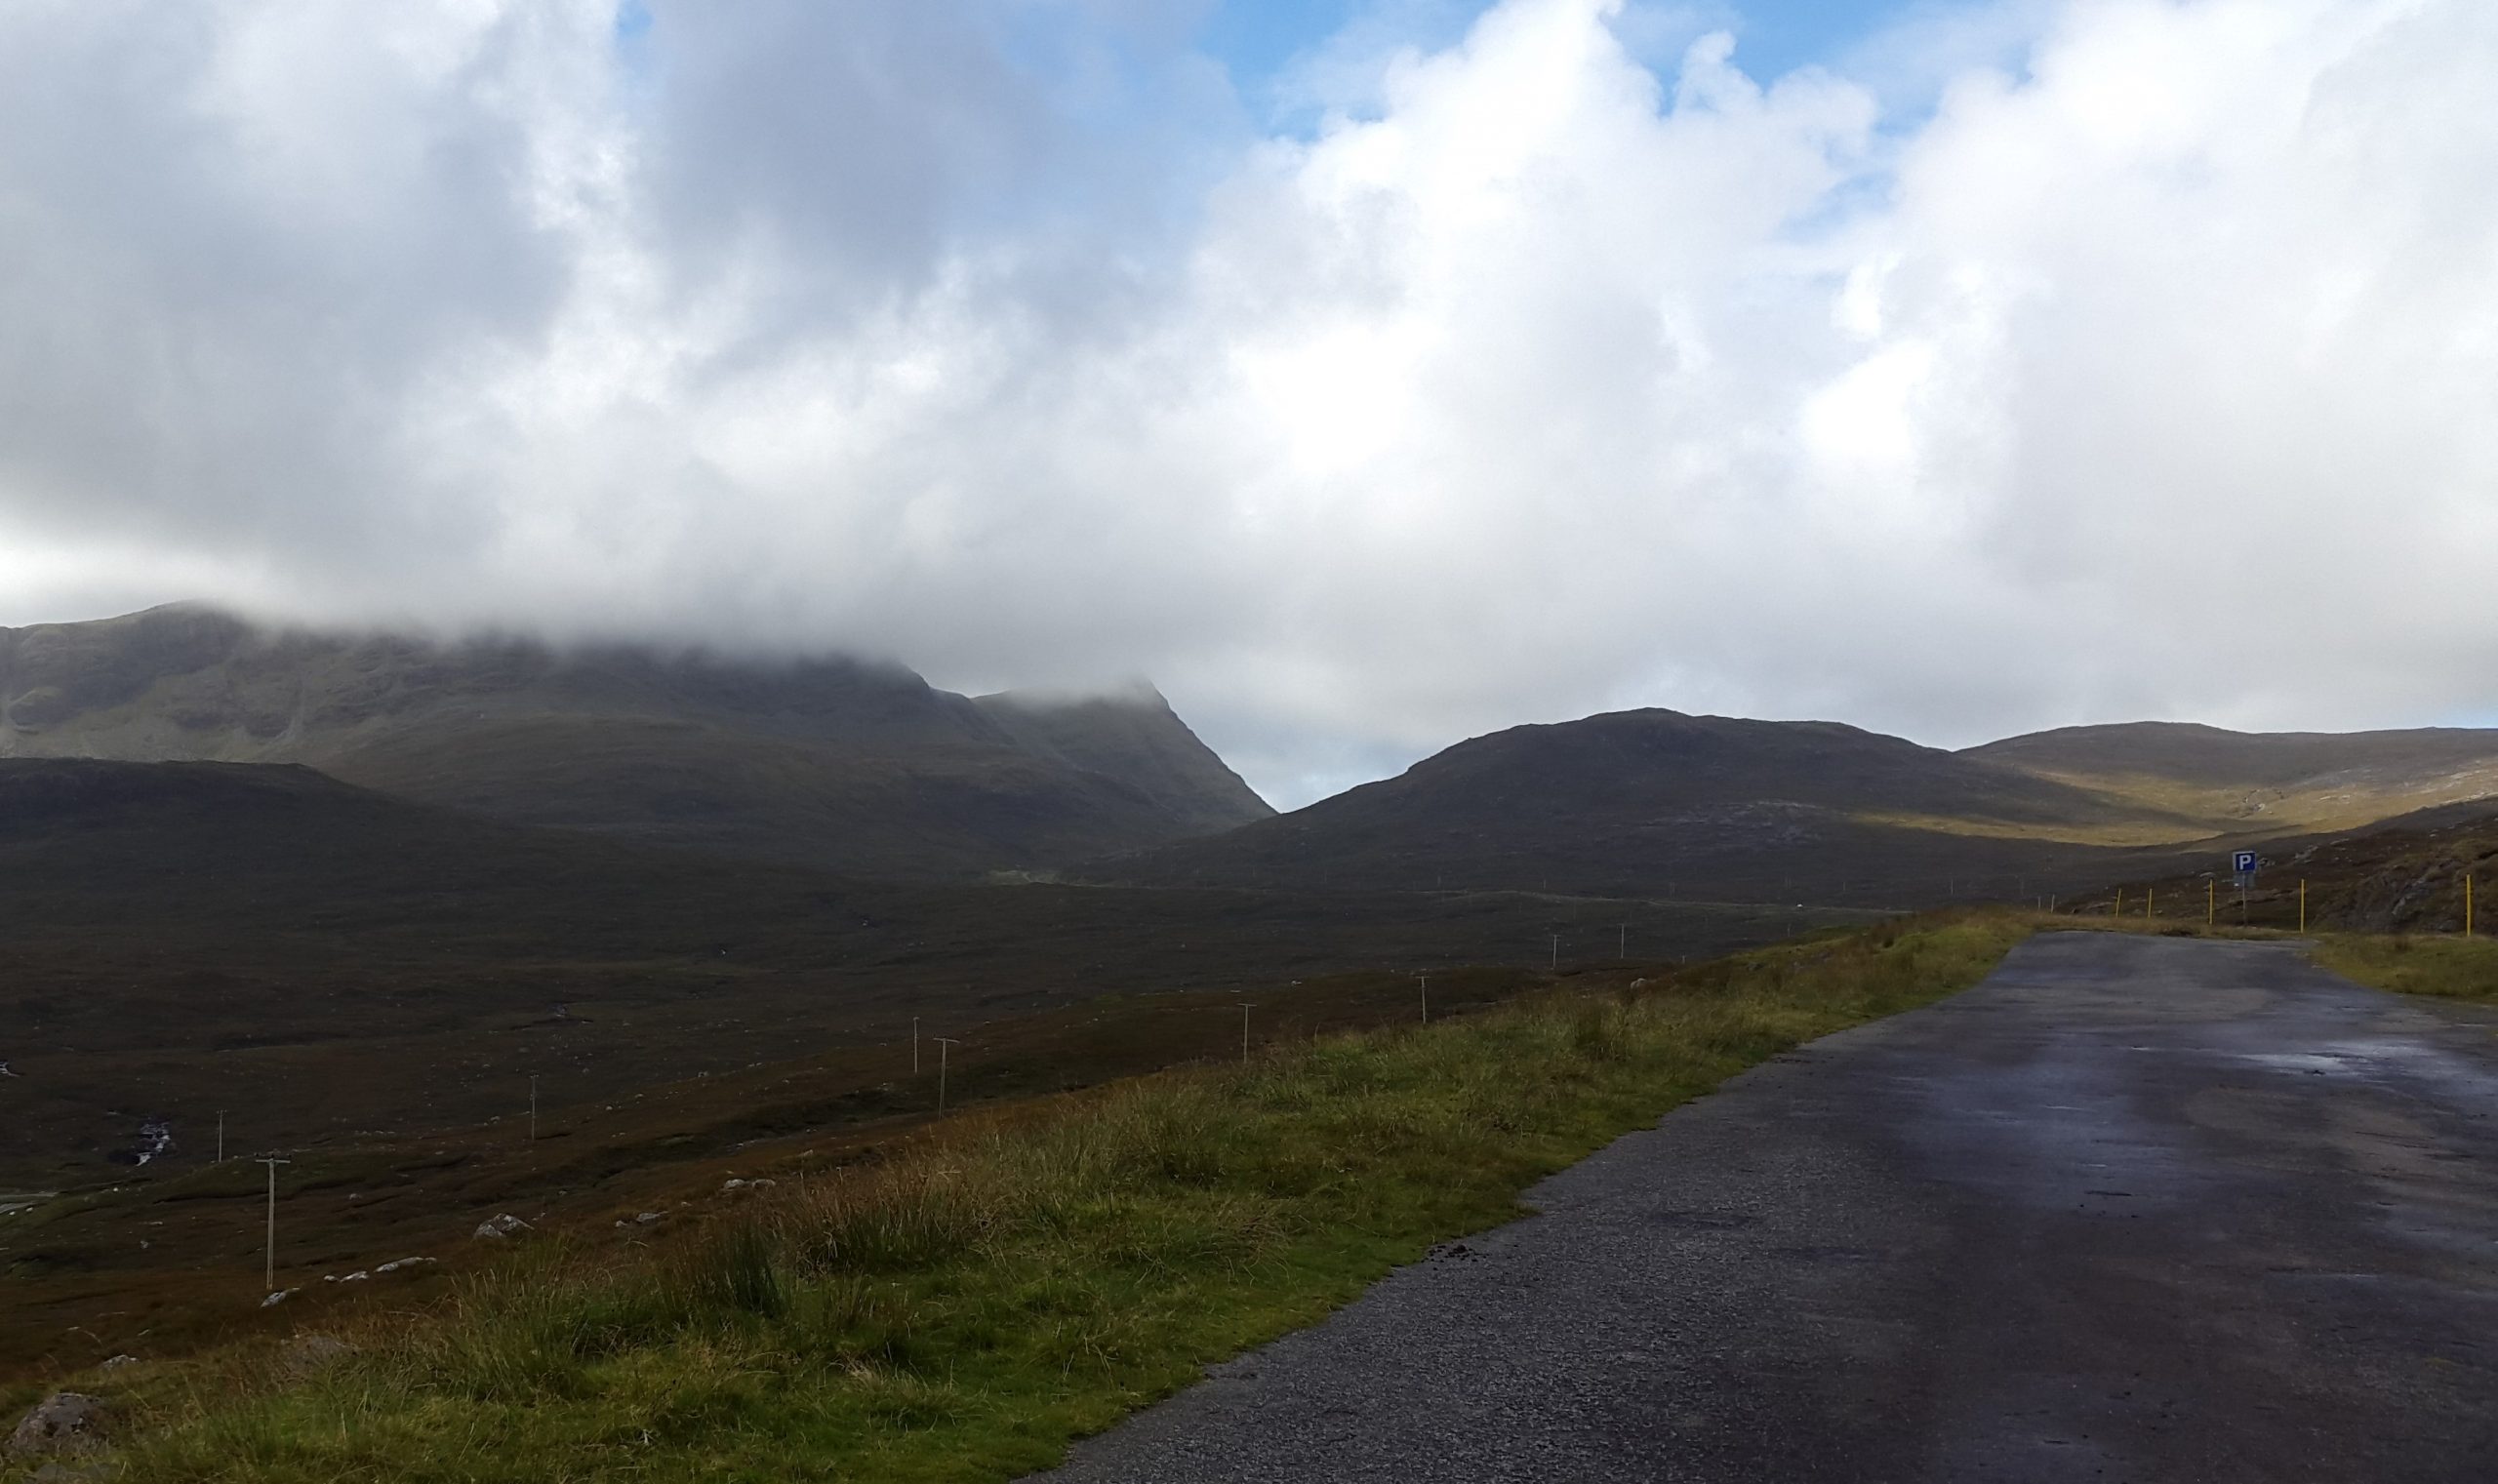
<point x="354" y="892"/>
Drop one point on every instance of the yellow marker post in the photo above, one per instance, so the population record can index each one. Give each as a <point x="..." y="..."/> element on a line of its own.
<point x="2148" y="898"/>
<point x="2302" y="903"/>
<point x="2118" y="910"/>
<point x="2467" y="906"/>
<point x="2211" y="903"/>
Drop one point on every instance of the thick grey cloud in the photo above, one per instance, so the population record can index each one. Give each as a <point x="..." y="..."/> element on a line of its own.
<point x="2048" y="362"/>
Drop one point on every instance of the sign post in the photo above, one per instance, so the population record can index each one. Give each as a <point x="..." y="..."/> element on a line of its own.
<point x="2243" y="863"/>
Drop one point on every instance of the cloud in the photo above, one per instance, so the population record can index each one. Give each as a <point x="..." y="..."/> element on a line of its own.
<point x="2037" y="363"/>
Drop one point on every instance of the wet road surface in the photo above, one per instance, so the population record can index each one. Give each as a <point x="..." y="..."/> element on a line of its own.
<point x="2134" y="1209"/>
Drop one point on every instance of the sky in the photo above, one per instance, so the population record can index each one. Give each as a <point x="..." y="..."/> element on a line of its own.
<point x="1368" y="373"/>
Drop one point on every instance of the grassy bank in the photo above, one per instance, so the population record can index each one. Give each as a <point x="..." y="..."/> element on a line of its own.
<point x="2450" y="968"/>
<point x="965" y="1307"/>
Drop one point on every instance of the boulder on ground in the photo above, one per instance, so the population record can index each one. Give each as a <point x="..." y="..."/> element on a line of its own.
<point x="503" y="1226"/>
<point x="65" y="1421"/>
<point x="305" y="1356"/>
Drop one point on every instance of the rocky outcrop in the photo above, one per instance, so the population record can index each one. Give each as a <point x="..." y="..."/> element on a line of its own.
<point x="65" y="1421"/>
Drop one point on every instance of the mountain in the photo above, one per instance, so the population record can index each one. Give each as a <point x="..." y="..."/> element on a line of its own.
<point x="1133" y="737"/>
<point x="836" y="763"/>
<point x="2260" y="782"/>
<point x="1656" y="803"/>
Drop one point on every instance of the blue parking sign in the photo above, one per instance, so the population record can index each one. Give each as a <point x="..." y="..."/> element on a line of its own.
<point x="2245" y="862"/>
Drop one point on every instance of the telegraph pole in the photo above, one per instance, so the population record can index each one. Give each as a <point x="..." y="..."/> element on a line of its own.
<point x="1556" y="952"/>
<point x="1427" y="997"/>
<point x="943" y="1045"/>
<point x="268" y="1276"/>
<point x="221" y="1136"/>
<point x="1244" y="1032"/>
<point x="914" y="1046"/>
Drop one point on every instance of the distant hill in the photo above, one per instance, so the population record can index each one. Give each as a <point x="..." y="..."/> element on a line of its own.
<point x="836" y="763"/>
<point x="1655" y="802"/>
<point x="2263" y="782"/>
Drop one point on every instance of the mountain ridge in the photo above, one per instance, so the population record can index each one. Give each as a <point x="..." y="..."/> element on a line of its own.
<point x="1658" y="802"/>
<point x="843" y="763"/>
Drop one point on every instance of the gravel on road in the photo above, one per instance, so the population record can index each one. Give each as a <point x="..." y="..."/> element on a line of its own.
<point x="2135" y="1209"/>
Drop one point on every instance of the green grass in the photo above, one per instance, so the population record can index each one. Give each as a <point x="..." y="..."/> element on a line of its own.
<point x="1008" y="1282"/>
<point x="2449" y="968"/>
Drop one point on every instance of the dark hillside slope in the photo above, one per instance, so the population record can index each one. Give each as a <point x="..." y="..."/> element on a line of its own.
<point x="837" y="763"/>
<point x="1136" y="737"/>
<point x="2400" y="875"/>
<point x="321" y="959"/>
<point x="1652" y="802"/>
<point x="2259" y="781"/>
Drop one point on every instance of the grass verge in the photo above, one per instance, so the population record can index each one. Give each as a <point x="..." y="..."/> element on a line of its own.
<point x="1010" y="1282"/>
<point x="2449" y="968"/>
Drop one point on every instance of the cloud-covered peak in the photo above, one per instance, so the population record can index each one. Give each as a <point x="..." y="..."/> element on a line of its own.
<point x="2134" y="363"/>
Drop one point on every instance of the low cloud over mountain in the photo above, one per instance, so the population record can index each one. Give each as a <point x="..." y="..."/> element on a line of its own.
<point x="2028" y="364"/>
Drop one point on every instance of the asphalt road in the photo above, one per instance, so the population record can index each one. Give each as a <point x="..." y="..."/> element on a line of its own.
<point x="2134" y="1209"/>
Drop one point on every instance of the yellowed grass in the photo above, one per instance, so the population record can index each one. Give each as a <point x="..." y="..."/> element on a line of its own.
<point x="2117" y="834"/>
<point x="2245" y="811"/>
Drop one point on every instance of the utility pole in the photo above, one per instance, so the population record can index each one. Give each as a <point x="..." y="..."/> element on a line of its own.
<point x="221" y="1136"/>
<point x="268" y="1275"/>
<point x="914" y="1046"/>
<point x="943" y="1045"/>
<point x="1244" y="1032"/>
<point x="1556" y="952"/>
<point x="1622" y="940"/>
<point x="1427" y="997"/>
